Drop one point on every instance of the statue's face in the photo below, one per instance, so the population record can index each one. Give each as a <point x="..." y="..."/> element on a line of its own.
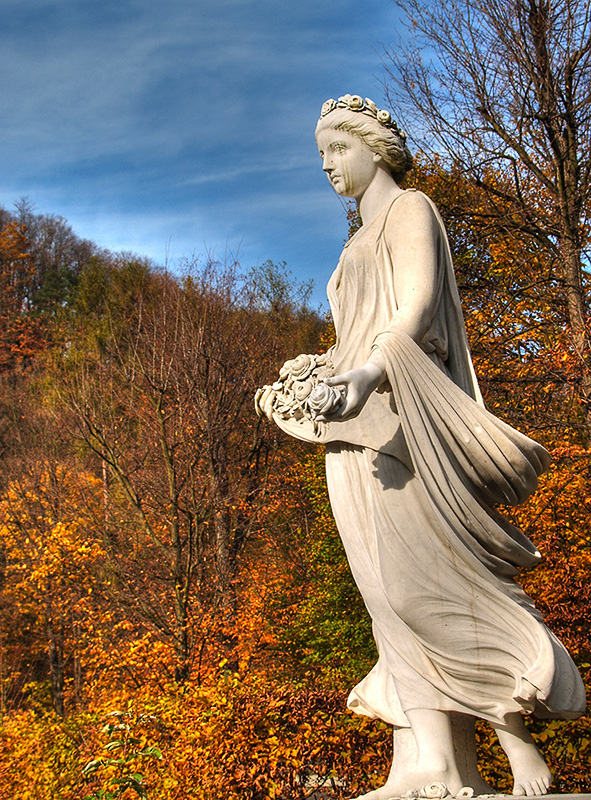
<point x="348" y="162"/>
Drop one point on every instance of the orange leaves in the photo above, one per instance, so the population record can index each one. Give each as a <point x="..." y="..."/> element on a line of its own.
<point x="253" y="739"/>
<point x="51" y="574"/>
<point x="558" y="520"/>
<point x="20" y="335"/>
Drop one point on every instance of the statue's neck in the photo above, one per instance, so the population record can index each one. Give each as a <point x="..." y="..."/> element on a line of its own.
<point x="379" y="194"/>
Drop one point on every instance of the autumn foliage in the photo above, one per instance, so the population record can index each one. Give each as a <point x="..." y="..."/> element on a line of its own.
<point x="177" y="617"/>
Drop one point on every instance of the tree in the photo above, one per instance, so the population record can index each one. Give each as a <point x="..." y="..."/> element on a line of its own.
<point x="57" y="254"/>
<point x="501" y="89"/>
<point x="516" y="332"/>
<point x="161" y="391"/>
<point x="20" y="336"/>
<point x="16" y="269"/>
<point x="50" y="556"/>
<point x="326" y="625"/>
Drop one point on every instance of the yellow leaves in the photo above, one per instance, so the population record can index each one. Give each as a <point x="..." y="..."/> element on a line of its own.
<point x="46" y="524"/>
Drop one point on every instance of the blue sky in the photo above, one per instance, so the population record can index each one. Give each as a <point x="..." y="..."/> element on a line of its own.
<point x="181" y="128"/>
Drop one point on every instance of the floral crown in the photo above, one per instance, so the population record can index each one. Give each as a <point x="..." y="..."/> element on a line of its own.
<point x="353" y="102"/>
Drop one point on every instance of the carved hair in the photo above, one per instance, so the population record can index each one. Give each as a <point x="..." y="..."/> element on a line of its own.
<point x="388" y="142"/>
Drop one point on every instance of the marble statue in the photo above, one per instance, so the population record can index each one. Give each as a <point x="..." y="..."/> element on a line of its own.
<point x="415" y="466"/>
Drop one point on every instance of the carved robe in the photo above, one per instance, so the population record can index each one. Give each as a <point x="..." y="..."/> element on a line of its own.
<point x="412" y="482"/>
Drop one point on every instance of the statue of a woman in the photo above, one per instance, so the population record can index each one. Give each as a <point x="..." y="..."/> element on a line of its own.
<point x="414" y="466"/>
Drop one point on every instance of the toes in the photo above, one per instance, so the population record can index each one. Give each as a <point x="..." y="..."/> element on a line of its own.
<point x="543" y="786"/>
<point x="534" y="788"/>
<point x="524" y="789"/>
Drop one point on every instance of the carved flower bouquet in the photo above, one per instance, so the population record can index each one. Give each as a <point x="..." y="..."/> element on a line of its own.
<point x="299" y="395"/>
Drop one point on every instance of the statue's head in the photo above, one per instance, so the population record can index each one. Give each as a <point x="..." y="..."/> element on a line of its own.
<point x="375" y="127"/>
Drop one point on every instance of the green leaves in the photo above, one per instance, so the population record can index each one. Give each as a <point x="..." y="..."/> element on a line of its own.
<point x="131" y="748"/>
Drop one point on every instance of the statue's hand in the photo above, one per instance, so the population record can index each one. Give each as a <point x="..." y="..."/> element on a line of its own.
<point x="359" y="384"/>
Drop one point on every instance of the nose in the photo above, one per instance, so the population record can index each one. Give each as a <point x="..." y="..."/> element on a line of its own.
<point x="327" y="164"/>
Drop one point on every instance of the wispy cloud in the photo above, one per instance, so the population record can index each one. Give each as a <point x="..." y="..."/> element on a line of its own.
<point x="143" y="120"/>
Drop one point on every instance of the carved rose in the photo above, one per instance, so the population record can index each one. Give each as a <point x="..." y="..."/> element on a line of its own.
<point x="354" y="102"/>
<point x="285" y="369"/>
<point x="301" y="367"/>
<point x="288" y="398"/>
<point x="323" y="399"/>
<point x="327" y="107"/>
<point x="383" y="116"/>
<point x="323" y="372"/>
<point x="434" y="790"/>
<point x="302" y="390"/>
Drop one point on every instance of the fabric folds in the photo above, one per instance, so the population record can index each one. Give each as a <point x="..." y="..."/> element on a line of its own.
<point x="466" y="458"/>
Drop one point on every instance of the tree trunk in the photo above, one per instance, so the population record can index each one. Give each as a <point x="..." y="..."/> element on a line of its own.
<point x="506" y="94"/>
<point x="226" y="592"/>
<point x="181" y="634"/>
<point x="577" y="314"/>
<point x="56" y="667"/>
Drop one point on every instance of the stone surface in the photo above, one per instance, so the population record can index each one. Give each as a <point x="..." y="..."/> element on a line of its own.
<point x="327" y="793"/>
<point x="414" y="465"/>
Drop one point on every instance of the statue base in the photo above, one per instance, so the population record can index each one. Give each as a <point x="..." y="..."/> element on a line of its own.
<point x="330" y="794"/>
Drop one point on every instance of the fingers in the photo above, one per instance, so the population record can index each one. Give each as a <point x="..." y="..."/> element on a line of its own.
<point x="348" y="408"/>
<point x="339" y="412"/>
<point x="338" y="380"/>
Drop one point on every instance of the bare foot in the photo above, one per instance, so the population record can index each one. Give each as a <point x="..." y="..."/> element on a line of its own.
<point x="532" y="779"/>
<point x="415" y="779"/>
<point x="531" y="775"/>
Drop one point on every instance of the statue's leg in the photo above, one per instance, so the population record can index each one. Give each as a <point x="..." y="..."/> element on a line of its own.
<point x="431" y="758"/>
<point x="464" y="737"/>
<point x="464" y="741"/>
<point x="531" y="775"/>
